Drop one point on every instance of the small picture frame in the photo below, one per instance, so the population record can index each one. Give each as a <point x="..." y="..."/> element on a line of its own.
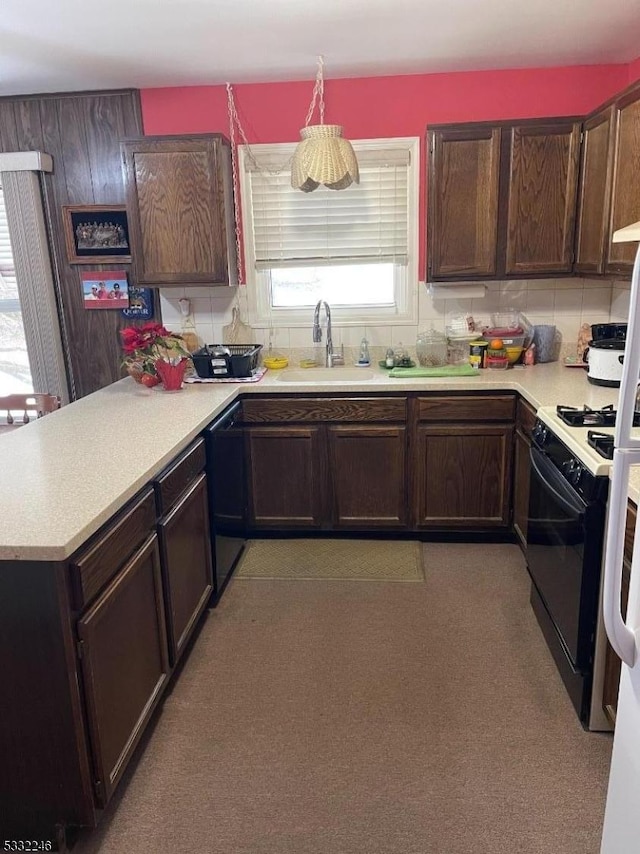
<point x="96" y="234"/>
<point x="105" y="289"/>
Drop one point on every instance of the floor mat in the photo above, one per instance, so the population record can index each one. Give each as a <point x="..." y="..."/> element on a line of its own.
<point x="349" y="560"/>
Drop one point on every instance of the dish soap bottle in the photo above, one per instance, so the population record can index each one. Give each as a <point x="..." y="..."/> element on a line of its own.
<point x="363" y="359"/>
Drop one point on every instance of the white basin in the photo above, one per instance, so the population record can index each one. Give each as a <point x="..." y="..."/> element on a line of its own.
<point x="326" y="375"/>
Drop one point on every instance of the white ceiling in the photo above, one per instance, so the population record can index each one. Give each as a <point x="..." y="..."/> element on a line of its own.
<point x="78" y="44"/>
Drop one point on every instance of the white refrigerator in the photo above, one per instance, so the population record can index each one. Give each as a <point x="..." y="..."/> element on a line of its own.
<point x="621" y="832"/>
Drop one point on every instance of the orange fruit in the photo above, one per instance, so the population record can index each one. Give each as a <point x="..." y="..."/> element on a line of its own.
<point x="496" y="344"/>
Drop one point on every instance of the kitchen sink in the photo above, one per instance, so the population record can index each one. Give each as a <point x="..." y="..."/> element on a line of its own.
<point x="326" y="375"/>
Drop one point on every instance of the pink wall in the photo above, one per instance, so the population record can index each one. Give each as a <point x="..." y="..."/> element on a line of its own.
<point x="385" y="106"/>
<point x="634" y="70"/>
<point x="370" y="107"/>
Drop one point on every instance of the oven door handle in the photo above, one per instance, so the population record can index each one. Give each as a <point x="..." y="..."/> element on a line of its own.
<point x="555" y="483"/>
<point x="622" y="637"/>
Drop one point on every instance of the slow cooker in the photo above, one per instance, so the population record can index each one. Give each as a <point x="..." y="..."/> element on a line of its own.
<point x="604" y="359"/>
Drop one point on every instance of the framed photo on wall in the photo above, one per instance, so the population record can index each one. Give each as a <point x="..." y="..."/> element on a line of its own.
<point x="105" y="289"/>
<point x="96" y="234"/>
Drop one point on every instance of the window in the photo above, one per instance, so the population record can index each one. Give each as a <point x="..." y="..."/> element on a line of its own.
<point x="355" y="248"/>
<point x="15" y="373"/>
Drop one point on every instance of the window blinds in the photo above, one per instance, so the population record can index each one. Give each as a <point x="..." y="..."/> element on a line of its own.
<point x="8" y="283"/>
<point x="367" y="222"/>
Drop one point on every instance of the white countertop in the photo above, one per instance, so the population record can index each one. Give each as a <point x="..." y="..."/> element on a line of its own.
<point x="65" y="475"/>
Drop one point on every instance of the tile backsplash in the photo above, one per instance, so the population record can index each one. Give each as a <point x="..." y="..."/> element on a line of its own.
<point x="567" y="303"/>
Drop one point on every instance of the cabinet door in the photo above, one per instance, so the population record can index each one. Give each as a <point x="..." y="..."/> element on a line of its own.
<point x="179" y="206"/>
<point x="368" y="476"/>
<point x="123" y="650"/>
<point x="462" y="221"/>
<point x="521" y="479"/>
<point x="543" y="178"/>
<point x="594" y="199"/>
<point x="462" y="476"/>
<point x="625" y="203"/>
<point x="185" y="542"/>
<point x="286" y="477"/>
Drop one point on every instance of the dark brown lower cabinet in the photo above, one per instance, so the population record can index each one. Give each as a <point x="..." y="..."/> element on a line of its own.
<point x="186" y="563"/>
<point x="124" y="662"/>
<point x="368" y="476"/>
<point x="613" y="665"/>
<point x="286" y="477"/>
<point x="462" y="475"/>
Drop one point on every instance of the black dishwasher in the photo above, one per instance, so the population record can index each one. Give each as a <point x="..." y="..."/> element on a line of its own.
<point x="227" y="503"/>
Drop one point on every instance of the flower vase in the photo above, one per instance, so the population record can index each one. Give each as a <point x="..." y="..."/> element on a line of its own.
<point x="170" y="374"/>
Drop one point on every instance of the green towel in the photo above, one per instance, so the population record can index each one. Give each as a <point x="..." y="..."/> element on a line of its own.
<point x="444" y="371"/>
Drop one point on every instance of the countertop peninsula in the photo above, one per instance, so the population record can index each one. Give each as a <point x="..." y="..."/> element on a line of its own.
<point x="65" y="475"/>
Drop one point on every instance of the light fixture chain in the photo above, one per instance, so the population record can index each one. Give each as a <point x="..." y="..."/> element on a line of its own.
<point x="235" y="121"/>
<point x="318" y="93"/>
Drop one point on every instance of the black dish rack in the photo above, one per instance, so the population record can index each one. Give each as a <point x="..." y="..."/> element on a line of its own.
<point x="241" y="361"/>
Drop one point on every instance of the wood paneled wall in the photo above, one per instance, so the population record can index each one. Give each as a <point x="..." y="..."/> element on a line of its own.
<point x="82" y="132"/>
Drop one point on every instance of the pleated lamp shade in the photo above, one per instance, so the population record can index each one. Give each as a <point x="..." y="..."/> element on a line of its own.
<point x="323" y="156"/>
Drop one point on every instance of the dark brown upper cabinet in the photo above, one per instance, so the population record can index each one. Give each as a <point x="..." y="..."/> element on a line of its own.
<point x="502" y="199"/>
<point x="594" y="196"/>
<point x="180" y="207"/>
<point x="543" y="179"/>
<point x="625" y="201"/>
<point x="464" y="180"/>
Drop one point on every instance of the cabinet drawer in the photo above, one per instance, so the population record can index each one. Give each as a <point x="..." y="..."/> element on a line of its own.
<point x="172" y="483"/>
<point x="526" y="417"/>
<point x="96" y="566"/>
<point x="325" y="409"/>
<point x="499" y="407"/>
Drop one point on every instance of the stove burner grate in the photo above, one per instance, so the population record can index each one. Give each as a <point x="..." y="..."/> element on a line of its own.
<point x="602" y="442"/>
<point x="587" y="417"/>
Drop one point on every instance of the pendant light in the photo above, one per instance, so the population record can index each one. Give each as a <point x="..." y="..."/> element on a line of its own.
<point x="323" y="155"/>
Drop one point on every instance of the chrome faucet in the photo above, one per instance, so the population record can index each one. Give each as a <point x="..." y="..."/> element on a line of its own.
<point x="331" y="358"/>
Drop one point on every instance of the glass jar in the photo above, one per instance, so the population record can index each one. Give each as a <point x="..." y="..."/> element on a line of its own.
<point x="431" y="348"/>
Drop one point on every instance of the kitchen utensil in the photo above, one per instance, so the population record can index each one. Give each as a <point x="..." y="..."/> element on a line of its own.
<point x="236" y="332"/>
<point x="544" y="337"/>
<point x="604" y="360"/>
<point x="187" y="326"/>
<point x="607" y="331"/>
<point x="584" y="336"/>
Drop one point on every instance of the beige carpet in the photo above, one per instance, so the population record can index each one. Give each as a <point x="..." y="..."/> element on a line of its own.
<point x="350" y="560"/>
<point x="334" y="718"/>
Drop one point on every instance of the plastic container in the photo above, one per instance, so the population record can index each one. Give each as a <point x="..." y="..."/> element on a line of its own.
<point x="431" y="349"/>
<point x="364" y="359"/>
<point x="497" y="358"/>
<point x="506" y="320"/>
<point x="226" y="360"/>
<point x="497" y="363"/>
